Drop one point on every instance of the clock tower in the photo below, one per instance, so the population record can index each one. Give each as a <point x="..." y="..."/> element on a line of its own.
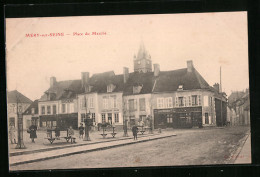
<point x="142" y="62"/>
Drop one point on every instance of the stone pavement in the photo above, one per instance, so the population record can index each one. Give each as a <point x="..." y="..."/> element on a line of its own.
<point x="244" y="155"/>
<point x="42" y="144"/>
<point x="49" y="153"/>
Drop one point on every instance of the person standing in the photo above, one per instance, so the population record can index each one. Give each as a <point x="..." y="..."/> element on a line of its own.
<point x="135" y="130"/>
<point x="33" y="134"/>
<point x="81" y="131"/>
<point x="12" y="134"/>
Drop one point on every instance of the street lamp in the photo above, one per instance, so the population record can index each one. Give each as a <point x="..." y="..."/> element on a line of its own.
<point x="87" y="121"/>
<point x="20" y="144"/>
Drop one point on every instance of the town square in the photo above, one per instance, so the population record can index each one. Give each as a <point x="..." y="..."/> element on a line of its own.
<point x="169" y="90"/>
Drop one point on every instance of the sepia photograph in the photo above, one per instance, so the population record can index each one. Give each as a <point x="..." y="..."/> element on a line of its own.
<point x="114" y="91"/>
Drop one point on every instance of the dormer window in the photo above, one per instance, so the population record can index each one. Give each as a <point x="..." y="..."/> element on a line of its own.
<point x="180" y="87"/>
<point x="137" y="88"/>
<point x="33" y="112"/>
<point x="88" y="88"/>
<point x="110" y="88"/>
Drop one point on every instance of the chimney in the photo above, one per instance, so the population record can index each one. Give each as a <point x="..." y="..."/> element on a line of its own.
<point x="189" y="65"/>
<point x="52" y="81"/>
<point x="216" y="86"/>
<point x="126" y="74"/>
<point x="84" y="78"/>
<point x="156" y="69"/>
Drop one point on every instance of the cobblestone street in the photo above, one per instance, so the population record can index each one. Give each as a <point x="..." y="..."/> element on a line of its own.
<point x="189" y="147"/>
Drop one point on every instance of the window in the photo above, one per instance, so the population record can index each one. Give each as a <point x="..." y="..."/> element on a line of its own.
<point x="168" y="102"/>
<point x="184" y="101"/>
<point x="211" y="101"/>
<point x="105" y="103"/>
<point x="206" y="101"/>
<point x="63" y="108"/>
<point x="103" y="118"/>
<point x="43" y="109"/>
<point x="91" y="102"/>
<point x="160" y="103"/>
<point x="169" y="118"/>
<point x="180" y="87"/>
<point x="180" y="101"/>
<point x="44" y="124"/>
<point x="54" y="109"/>
<point x="176" y="101"/>
<point x="113" y="102"/>
<point x="132" y="105"/>
<point x="54" y="123"/>
<point x="33" y="111"/>
<point x="116" y="117"/>
<point x="48" y="123"/>
<point x="83" y="115"/>
<point x="189" y="100"/>
<point x="83" y="103"/>
<point x="48" y="110"/>
<point x="93" y="115"/>
<point x="194" y="100"/>
<point x="199" y="100"/>
<point x="142" y="104"/>
<point x="110" y="88"/>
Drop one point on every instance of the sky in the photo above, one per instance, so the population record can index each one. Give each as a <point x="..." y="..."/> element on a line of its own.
<point x="210" y="40"/>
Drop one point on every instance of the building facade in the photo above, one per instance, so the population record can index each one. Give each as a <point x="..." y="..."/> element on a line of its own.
<point x="15" y="100"/>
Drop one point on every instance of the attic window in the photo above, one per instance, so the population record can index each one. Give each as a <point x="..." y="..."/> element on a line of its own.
<point x="88" y="88"/>
<point x="180" y="87"/>
<point x="33" y="111"/>
<point x="110" y="88"/>
<point x="137" y="89"/>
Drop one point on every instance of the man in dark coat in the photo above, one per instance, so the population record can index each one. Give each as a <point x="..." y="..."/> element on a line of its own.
<point x="135" y="130"/>
<point x="81" y="131"/>
<point x="33" y="135"/>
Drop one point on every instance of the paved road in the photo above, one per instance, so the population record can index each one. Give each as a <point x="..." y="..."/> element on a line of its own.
<point x="189" y="147"/>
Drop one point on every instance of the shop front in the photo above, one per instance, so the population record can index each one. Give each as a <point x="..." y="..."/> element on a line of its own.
<point x="178" y="117"/>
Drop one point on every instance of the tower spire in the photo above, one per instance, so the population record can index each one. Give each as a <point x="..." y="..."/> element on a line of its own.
<point x="142" y="62"/>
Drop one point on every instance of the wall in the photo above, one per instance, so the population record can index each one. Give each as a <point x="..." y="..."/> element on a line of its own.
<point x="83" y="110"/>
<point x="110" y="108"/>
<point x="137" y="113"/>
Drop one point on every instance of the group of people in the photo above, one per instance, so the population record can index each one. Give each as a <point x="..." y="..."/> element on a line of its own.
<point x="33" y="128"/>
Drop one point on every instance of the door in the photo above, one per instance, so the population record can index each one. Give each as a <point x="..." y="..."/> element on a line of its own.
<point x="206" y="118"/>
<point x="12" y="121"/>
<point x="109" y="117"/>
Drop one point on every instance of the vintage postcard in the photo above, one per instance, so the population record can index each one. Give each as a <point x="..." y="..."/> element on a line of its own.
<point x="128" y="91"/>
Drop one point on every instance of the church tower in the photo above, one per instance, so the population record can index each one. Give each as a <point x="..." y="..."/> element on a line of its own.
<point x="142" y="62"/>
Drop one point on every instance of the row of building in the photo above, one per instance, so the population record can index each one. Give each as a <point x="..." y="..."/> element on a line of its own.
<point x="238" y="110"/>
<point x="176" y="98"/>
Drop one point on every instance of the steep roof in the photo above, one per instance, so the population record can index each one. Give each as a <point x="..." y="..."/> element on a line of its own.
<point x="117" y="80"/>
<point x="70" y="88"/>
<point x="170" y="80"/>
<point x="136" y="78"/>
<point x="235" y="96"/>
<point x="63" y="89"/>
<point x="34" y="105"/>
<point x="12" y="97"/>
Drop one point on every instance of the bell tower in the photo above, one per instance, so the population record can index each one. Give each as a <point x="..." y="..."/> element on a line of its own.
<point x="142" y="62"/>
